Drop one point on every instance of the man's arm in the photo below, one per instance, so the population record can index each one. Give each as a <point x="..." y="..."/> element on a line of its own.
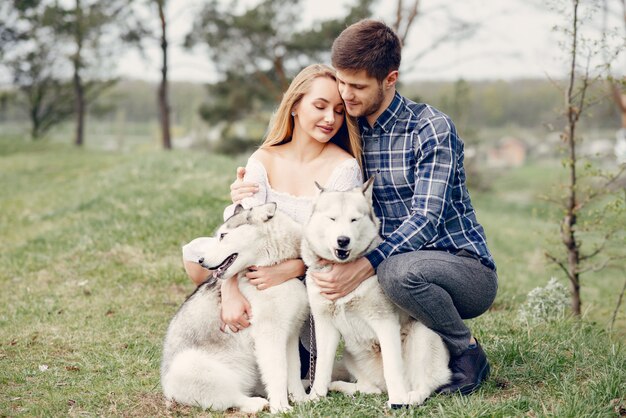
<point x="343" y="278"/>
<point x="436" y="151"/>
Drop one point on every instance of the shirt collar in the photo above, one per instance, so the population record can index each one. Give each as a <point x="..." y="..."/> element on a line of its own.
<point x="388" y="117"/>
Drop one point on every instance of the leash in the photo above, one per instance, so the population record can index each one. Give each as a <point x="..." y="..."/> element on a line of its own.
<point x="311" y="356"/>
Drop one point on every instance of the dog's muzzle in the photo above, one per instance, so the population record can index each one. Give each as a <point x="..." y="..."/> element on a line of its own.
<point x="342" y="254"/>
<point x="219" y="270"/>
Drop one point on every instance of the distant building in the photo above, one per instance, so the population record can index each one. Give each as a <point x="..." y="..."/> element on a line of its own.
<point x="510" y="152"/>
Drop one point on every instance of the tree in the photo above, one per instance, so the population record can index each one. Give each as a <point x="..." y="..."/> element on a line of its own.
<point x="93" y="29"/>
<point x="164" y="107"/>
<point x="407" y="15"/>
<point x="588" y="201"/>
<point x="31" y="57"/>
<point x="48" y="98"/>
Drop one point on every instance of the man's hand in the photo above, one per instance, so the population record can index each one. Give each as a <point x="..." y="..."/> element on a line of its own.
<point x="343" y="278"/>
<point x="239" y="189"/>
<point x="265" y="277"/>
<point x="236" y="310"/>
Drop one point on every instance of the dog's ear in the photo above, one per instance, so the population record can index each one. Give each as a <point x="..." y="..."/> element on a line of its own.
<point x="265" y="212"/>
<point x="238" y="208"/>
<point x="368" y="188"/>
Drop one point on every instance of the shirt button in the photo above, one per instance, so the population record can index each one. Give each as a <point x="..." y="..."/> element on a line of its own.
<point x="378" y="170"/>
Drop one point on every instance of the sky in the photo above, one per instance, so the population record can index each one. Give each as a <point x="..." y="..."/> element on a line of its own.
<point x="515" y="39"/>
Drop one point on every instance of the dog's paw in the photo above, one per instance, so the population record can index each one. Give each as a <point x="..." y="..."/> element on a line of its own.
<point x="280" y="407"/>
<point x="314" y="396"/>
<point x="299" y="397"/>
<point x="398" y="400"/>
<point x="417" y="397"/>
<point x="253" y="405"/>
<point x="344" y="387"/>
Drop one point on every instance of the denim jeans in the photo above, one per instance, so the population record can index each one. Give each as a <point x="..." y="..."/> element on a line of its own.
<point x="440" y="289"/>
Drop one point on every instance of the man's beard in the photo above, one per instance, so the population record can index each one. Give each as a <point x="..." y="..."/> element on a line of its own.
<point x="375" y="105"/>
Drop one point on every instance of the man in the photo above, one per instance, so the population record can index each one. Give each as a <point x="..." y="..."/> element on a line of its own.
<point x="434" y="262"/>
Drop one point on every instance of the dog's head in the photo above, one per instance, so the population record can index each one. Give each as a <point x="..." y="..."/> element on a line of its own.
<point x="239" y="242"/>
<point x="342" y="226"/>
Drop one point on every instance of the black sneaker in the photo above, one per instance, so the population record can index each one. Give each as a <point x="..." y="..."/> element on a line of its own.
<point x="469" y="370"/>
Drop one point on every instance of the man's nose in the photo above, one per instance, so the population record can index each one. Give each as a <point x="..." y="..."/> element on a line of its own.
<point x="346" y="93"/>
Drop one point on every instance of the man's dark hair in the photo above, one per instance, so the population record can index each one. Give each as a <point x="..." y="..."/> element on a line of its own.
<point x="368" y="45"/>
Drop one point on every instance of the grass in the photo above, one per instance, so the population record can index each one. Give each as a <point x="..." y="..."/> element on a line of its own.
<point x="90" y="275"/>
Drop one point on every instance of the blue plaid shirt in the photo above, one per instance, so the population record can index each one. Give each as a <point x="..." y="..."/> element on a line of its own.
<point x="419" y="191"/>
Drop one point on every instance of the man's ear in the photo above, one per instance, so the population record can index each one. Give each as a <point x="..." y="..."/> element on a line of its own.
<point x="391" y="80"/>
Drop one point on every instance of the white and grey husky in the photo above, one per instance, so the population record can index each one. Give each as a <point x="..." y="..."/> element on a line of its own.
<point x="206" y="367"/>
<point x="385" y="349"/>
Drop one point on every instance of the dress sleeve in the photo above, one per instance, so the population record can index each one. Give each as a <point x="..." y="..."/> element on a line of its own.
<point x="346" y="176"/>
<point x="255" y="173"/>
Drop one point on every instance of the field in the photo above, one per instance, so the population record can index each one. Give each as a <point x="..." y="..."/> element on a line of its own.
<point x="90" y="274"/>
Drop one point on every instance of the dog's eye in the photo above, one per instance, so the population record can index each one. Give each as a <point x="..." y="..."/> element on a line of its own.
<point x="222" y="235"/>
<point x="353" y="220"/>
<point x="332" y="219"/>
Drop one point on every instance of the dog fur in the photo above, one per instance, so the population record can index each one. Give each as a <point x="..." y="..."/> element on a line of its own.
<point x="206" y="367"/>
<point x="385" y="349"/>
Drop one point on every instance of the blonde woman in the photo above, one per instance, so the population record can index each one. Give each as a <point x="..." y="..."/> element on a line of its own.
<point x="310" y="138"/>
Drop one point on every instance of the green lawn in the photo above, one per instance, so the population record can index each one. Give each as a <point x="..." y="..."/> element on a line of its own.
<point x="90" y="274"/>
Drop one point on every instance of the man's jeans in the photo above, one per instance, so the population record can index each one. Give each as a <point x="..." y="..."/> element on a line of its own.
<point x="440" y="290"/>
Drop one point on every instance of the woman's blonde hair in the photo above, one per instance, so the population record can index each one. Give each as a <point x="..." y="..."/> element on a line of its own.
<point x="281" y="125"/>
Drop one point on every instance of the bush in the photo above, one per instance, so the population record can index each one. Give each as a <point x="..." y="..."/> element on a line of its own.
<point x="545" y="304"/>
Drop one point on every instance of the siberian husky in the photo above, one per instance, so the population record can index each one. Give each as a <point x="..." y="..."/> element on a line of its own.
<point x="385" y="349"/>
<point x="206" y="367"/>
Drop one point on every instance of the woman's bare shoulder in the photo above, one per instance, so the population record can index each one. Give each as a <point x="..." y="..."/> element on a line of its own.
<point x="264" y="155"/>
<point x="337" y="154"/>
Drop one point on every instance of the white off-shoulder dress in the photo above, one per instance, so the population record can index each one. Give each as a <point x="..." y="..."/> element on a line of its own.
<point x="345" y="176"/>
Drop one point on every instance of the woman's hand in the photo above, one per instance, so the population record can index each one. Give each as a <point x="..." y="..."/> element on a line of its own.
<point x="266" y="277"/>
<point x="239" y="190"/>
<point x="236" y="311"/>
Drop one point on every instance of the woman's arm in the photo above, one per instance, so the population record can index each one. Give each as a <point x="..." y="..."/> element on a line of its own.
<point x="236" y="310"/>
<point x="266" y="277"/>
<point x="196" y="272"/>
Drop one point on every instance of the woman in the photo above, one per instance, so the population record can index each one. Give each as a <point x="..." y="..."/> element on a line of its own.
<point x="307" y="141"/>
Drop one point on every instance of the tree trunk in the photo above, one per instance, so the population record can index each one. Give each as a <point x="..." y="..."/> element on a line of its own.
<point x="568" y="227"/>
<point x="164" y="108"/>
<point x="34" y="119"/>
<point x="79" y="91"/>
<point x="79" y="108"/>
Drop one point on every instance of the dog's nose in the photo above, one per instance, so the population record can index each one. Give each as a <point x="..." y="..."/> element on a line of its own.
<point x="343" y="241"/>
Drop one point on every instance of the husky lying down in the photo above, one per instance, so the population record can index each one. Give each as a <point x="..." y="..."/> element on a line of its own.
<point x="206" y="367"/>
<point x="385" y="349"/>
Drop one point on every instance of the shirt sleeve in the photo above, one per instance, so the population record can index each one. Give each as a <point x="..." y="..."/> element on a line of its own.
<point x="436" y="144"/>
<point x="255" y="173"/>
<point x="348" y="176"/>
